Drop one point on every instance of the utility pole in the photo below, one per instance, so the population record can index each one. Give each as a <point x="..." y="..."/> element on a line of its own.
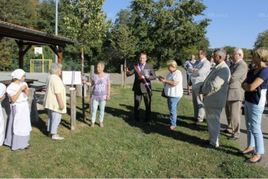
<point x="56" y="27"/>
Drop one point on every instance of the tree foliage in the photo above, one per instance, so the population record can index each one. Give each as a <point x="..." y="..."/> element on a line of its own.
<point x="164" y="29"/>
<point x="262" y="40"/>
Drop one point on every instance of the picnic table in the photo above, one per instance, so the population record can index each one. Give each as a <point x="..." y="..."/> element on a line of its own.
<point x="28" y="81"/>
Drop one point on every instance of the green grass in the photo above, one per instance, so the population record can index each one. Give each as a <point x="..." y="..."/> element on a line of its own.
<point x="127" y="149"/>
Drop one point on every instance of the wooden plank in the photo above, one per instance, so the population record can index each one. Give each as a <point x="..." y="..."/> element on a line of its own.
<point x="73" y="108"/>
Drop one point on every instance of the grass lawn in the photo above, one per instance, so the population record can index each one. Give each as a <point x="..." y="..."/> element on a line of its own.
<point x="127" y="149"/>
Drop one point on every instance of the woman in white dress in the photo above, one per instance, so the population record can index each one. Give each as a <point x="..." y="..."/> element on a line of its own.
<point x="19" y="123"/>
<point x="2" y="121"/>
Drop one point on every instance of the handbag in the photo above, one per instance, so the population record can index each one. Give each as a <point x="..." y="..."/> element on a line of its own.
<point x="163" y="93"/>
<point x="190" y="81"/>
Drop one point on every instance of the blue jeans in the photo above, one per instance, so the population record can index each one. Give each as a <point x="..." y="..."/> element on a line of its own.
<point x="95" y="104"/>
<point x="172" y="106"/>
<point x="253" y="115"/>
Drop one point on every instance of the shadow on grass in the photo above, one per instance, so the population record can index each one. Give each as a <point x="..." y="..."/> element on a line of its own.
<point x="159" y="126"/>
<point x="42" y="126"/>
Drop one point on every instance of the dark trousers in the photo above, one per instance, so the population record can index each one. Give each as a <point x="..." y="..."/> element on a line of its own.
<point x="147" y="102"/>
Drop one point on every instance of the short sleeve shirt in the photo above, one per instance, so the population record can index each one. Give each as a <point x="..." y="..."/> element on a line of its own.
<point x="13" y="88"/>
<point x="257" y="97"/>
<point x="55" y="86"/>
<point x="174" y="91"/>
<point x="100" y="89"/>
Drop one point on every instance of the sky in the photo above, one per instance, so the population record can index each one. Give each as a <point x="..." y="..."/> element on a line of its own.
<point x="234" y="22"/>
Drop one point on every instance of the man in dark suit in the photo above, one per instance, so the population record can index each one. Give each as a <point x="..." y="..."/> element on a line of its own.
<point x="144" y="73"/>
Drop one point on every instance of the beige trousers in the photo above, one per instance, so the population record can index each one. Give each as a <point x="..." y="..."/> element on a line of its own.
<point x="199" y="111"/>
<point x="233" y="115"/>
<point x="213" y="116"/>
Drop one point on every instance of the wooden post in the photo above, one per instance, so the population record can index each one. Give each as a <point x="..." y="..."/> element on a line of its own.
<point x="59" y="57"/>
<point x="32" y="105"/>
<point x="125" y="72"/>
<point x="90" y="88"/>
<point x="22" y="52"/>
<point x="58" y="52"/>
<point x="73" y="107"/>
<point x="122" y="76"/>
<point x="83" y="86"/>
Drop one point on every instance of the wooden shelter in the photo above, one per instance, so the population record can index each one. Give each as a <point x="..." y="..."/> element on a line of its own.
<point x="26" y="38"/>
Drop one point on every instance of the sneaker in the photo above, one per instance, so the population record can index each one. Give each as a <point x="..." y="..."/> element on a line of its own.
<point x="57" y="137"/>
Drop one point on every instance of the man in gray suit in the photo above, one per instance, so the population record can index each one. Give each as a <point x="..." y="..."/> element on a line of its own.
<point x="144" y="73"/>
<point x="235" y="94"/>
<point x="198" y="75"/>
<point x="214" y="90"/>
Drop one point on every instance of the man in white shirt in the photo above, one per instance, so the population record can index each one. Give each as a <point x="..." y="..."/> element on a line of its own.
<point x="188" y="66"/>
<point x="199" y="74"/>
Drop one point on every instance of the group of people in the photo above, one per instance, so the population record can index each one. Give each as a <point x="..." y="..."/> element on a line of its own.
<point x="17" y="133"/>
<point x="227" y="85"/>
<point x="224" y="85"/>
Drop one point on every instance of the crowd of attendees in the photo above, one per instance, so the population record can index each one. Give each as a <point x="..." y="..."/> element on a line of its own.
<point x="223" y="82"/>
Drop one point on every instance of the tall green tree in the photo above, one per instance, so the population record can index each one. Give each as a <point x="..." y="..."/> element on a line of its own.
<point x="22" y="12"/>
<point x="86" y="24"/>
<point x="164" y="27"/>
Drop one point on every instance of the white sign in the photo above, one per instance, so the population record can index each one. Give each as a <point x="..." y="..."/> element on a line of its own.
<point x="71" y="77"/>
<point x="38" y="50"/>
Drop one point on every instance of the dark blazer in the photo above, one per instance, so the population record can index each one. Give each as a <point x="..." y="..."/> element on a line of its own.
<point x="138" y="85"/>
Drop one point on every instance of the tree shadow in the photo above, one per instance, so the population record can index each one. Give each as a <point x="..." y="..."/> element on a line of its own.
<point x="159" y="126"/>
<point x="190" y="124"/>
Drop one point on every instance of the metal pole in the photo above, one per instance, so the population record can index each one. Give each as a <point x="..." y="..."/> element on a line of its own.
<point x="56" y="27"/>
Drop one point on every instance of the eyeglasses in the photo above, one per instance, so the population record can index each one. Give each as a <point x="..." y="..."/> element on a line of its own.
<point x="236" y="54"/>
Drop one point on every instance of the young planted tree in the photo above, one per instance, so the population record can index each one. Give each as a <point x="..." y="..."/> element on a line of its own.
<point x="86" y="24"/>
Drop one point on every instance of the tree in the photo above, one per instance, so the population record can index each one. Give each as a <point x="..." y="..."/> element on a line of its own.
<point x="24" y="13"/>
<point x="229" y="49"/>
<point x="262" y="40"/>
<point x="86" y="24"/>
<point x="165" y="27"/>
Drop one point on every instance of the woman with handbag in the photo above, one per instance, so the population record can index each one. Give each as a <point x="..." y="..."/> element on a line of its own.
<point x="173" y="90"/>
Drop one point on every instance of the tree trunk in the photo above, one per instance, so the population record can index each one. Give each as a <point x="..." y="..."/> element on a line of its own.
<point x="159" y="61"/>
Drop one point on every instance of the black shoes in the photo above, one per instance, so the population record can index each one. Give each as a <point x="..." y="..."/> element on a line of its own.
<point x="258" y="160"/>
<point x="233" y="138"/>
<point x="246" y="153"/>
<point x="226" y="131"/>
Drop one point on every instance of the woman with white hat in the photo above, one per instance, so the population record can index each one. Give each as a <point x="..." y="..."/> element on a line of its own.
<point x="2" y="121"/>
<point x="19" y="124"/>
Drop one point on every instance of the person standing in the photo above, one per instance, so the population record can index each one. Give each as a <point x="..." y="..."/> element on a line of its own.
<point x="235" y="94"/>
<point x="55" y="100"/>
<point x="188" y="66"/>
<point x="199" y="74"/>
<point x="214" y="90"/>
<point x="227" y="60"/>
<point x="100" y="94"/>
<point x="255" y="87"/>
<point x="2" y="120"/>
<point x="144" y="73"/>
<point x="19" y="123"/>
<point x="173" y="90"/>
